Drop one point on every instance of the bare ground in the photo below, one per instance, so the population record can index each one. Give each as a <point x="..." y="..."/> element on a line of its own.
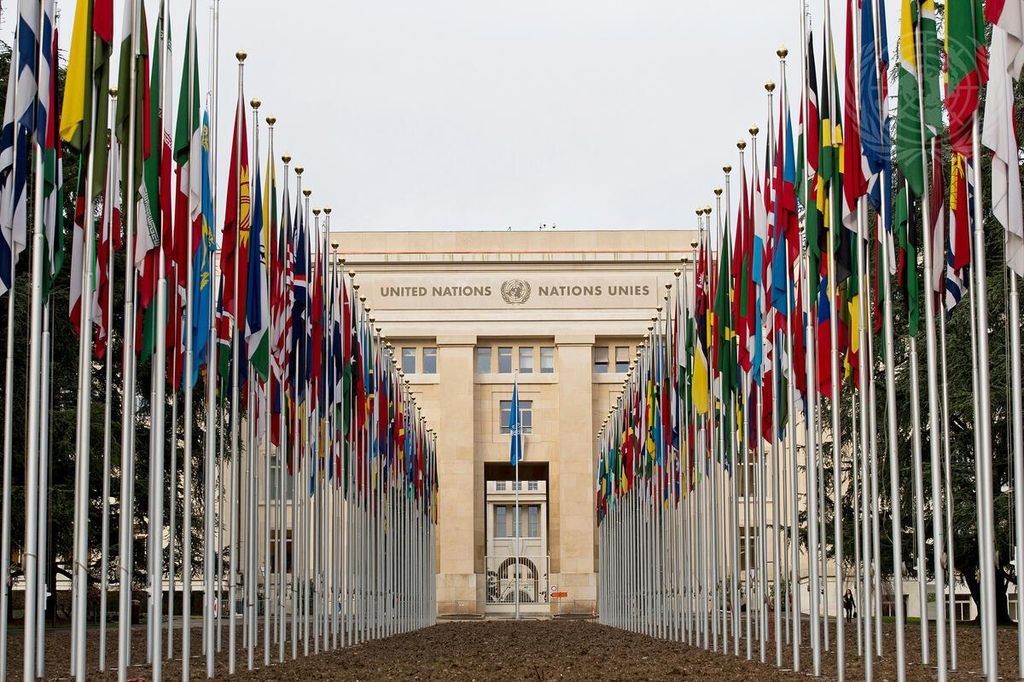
<point x="539" y="650"/>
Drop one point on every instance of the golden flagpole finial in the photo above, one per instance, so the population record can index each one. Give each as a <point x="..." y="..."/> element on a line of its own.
<point x="241" y="56"/>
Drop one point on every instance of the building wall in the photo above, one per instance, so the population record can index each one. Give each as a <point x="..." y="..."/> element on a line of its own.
<point x="570" y="291"/>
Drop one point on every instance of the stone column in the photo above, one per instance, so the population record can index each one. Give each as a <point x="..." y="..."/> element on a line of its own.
<point x="457" y="579"/>
<point x="573" y="571"/>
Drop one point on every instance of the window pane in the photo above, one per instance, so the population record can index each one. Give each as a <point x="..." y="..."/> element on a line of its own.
<point x="526" y="415"/>
<point x="532" y="485"/>
<point x="533" y="529"/>
<point x="500" y="527"/>
<point x="601" y="359"/>
<point x="547" y="360"/>
<point x="499" y="485"/>
<point x="409" y="360"/>
<point x="622" y="359"/>
<point x="430" y="360"/>
<point x="504" y="409"/>
<point x="504" y="359"/>
<point x="526" y="359"/>
<point x="483" y="360"/>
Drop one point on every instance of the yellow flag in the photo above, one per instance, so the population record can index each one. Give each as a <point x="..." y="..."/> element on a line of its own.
<point x="76" y="86"/>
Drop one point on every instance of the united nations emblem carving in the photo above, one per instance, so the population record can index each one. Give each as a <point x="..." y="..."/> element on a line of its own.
<point x="515" y="291"/>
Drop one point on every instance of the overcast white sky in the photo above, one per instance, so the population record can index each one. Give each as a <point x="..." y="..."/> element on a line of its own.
<point x="470" y="114"/>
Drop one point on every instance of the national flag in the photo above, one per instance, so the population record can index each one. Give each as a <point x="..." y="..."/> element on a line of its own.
<point x="109" y="241"/>
<point x="300" y="336"/>
<point x="906" y="238"/>
<point x="53" y="186"/>
<point x="153" y="208"/>
<point x="202" y="264"/>
<point x="235" y="240"/>
<point x="966" y="68"/>
<point x="515" y="427"/>
<point x="874" y="120"/>
<point x="918" y="77"/>
<point x="1009" y="16"/>
<point x="19" y="126"/>
<point x="190" y="219"/>
<point x="1000" y="135"/>
<point x="699" y="385"/>
<point x="257" y="307"/>
<point x="959" y="252"/>
<point x="938" y="226"/>
<point x="855" y="164"/>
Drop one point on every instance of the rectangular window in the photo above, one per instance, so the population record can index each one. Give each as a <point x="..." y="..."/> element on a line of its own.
<point x="601" y="359"/>
<point x="500" y="522"/>
<point x="526" y="359"/>
<point x="532" y="485"/>
<point x="430" y="360"/>
<point x="525" y="415"/>
<point x="504" y="359"/>
<point x="517" y="485"/>
<point x="533" y="515"/>
<point x="621" y="359"/>
<point x="483" y="360"/>
<point x="547" y="360"/>
<point x="409" y="360"/>
<point x="499" y="485"/>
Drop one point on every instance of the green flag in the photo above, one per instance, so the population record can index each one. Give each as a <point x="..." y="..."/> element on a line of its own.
<point x="918" y="76"/>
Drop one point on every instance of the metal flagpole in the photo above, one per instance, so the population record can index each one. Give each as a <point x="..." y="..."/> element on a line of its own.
<point x="267" y="411"/>
<point x="45" y="470"/>
<point x="34" y="514"/>
<point x="1018" y="442"/>
<point x="761" y="483"/>
<point x="986" y="524"/>
<point x="211" y="584"/>
<point x="947" y="472"/>
<point x="107" y="409"/>
<point x="83" y="442"/>
<point x="254" y="409"/>
<point x="233" y="374"/>
<point x="915" y="411"/>
<point x="793" y="591"/>
<point x="834" y="403"/>
<point x="5" y="542"/>
<point x="517" y="453"/>
<point x="866" y="370"/>
<point x="126" y="561"/>
<point x="154" y="540"/>
<point x="777" y="505"/>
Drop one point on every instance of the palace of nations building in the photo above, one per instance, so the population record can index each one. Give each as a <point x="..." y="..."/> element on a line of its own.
<point x="467" y="313"/>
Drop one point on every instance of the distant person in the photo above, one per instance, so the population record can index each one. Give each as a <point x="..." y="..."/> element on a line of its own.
<point x="848" y="605"/>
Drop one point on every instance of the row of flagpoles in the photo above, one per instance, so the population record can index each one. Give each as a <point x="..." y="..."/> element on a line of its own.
<point x="783" y="327"/>
<point x="331" y="546"/>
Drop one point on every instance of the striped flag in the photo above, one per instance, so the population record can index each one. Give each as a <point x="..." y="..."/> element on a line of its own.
<point x="958" y="255"/>
<point x="235" y="238"/>
<point x="918" y="69"/>
<point x="53" y="186"/>
<point x="20" y="118"/>
<point x="257" y="306"/>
